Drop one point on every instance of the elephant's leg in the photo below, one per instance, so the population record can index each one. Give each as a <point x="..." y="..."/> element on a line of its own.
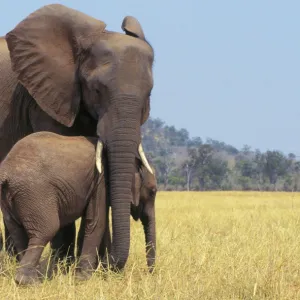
<point x="105" y="245"/>
<point x="17" y="235"/>
<point x="27" y="272"/>
<point x="63" y="244"/>
<point x="62" y="248"/>
<point x="94" y="227"/>
<point x="80" y="237"/>
<point x="39" y="235"/>
<point x="88" y="259"/>
<point x="9" y="243"/>
<point x="149" y="224"/>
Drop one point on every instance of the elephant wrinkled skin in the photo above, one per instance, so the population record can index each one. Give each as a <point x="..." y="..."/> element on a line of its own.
<point x="48" y="181"/>
<point x="63" y="72"/>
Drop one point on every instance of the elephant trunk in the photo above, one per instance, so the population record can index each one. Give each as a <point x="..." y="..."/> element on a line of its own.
<point x="120" y="130"/>
<point x="121" y="151"/>
<point x="148" y="221"/>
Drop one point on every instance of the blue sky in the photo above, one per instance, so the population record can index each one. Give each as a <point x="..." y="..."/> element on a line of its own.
<point x="229" y="70"/>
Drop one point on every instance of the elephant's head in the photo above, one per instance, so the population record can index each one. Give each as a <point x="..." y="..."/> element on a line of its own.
<point x="143" y="208"/>
<point x="65" y="59"/>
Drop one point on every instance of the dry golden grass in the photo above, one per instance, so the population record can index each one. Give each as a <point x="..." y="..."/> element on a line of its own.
<point x="218" y="245"/>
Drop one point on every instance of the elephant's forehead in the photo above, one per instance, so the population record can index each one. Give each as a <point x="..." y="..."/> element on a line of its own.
<point x="122" y="43"/>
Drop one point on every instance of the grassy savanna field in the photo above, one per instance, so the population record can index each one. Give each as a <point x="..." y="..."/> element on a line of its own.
<point x="211" y="245"/>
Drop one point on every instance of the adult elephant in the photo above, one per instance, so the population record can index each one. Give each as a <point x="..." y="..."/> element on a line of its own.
<point x="66" y="73"/>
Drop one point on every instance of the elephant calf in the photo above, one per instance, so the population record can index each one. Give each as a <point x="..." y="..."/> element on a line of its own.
<point x="48" y="181"/>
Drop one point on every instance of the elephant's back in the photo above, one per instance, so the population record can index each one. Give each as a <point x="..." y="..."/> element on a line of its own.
<point x="51" y="145"/>
<point x="49" y="152"/>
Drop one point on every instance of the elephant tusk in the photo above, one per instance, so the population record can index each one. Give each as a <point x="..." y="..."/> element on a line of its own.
<point x="144" y="159"/>
<point x="99" y="156"/>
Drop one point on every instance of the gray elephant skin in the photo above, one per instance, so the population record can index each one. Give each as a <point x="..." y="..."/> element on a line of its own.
<point x="62" y="71"/>
<point x="48" y="181"/>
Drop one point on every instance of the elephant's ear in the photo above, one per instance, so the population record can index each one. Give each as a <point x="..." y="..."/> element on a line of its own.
<point x="132" y="27"/>
<point x="44" y="49"/>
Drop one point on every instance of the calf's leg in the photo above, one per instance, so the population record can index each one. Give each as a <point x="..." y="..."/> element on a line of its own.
<point x="63" y="243"/>
<point x="9" y="243"/>
<point x="41" y="222"/>
<point x="62" y="246"/>
<point x="16" y="233"/>
<point x="27" y="272"/>
<point x="94" y="222"/>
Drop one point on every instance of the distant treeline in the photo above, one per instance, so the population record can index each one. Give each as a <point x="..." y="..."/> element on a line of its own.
<point x="184" y="163"/>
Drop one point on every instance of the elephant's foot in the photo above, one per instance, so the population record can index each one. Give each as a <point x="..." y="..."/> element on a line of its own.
<point x="65" y="265"/>
<point x="83" y="271"/>
<point x="27" y="276"/>
<point x="104" y="263"/>
<point x="48" y="267"/>
<point x="151" y="265"/>
<point x="70" y="260"/>
<point x="51" y="266"/>
<point x="151" y="269"/>
<point x="83" y="275"/>
<point x="107" y="264"/>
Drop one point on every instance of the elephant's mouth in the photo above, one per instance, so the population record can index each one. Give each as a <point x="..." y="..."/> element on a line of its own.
<point x="99" y="152"/>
